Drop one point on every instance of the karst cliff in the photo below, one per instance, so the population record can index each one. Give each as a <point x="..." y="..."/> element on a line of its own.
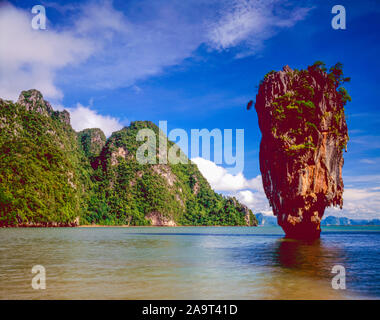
<point x="304" y="132"/>
<point x="52" y="176"/>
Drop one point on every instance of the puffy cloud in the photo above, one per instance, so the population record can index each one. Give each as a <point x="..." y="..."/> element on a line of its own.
<point x="256" y="201"/>
<point x="101" y="47"/>
<point x="249" y="191"/>
<point x="361" y="198"/>
<point x="30" y="58"/>
<point x="359" y="203"/>
<point x="84" y="117"/>
<point x="221" y="180"/>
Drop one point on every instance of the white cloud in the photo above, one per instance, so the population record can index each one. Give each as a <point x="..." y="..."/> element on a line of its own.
<point x="257" y="201"/>
<point x="30" y="58"/>
<point x="84" y="117"/>
<point x="101" y="47"/>
<point x="249" y="191"/>
<point x="251" y="22"/>
<point x="358" y="194"/>
<point x="221" y="180"/>
<point x="359" y="203"/>
<point x="361" y="198"/>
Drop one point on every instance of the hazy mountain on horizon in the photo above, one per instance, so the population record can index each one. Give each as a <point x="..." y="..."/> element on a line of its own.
<point x="265" y="220"/>
<point x="344" y="221"/>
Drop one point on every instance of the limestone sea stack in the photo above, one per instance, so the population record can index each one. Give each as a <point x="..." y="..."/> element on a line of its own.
<point x="304" y="131"/>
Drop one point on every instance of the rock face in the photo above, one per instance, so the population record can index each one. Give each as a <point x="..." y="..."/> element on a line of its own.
<point x="159" y="194"/>
<point x="159" y="220"/>
<point x="52" y="176"/>
<point x="44" y="175"/>
<point x="304" y="132"/>
<point x="92" y="140"/>
<point x="33" y="101"/>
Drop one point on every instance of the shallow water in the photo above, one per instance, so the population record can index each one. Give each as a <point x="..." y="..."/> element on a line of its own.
<point x="188" y="263"/>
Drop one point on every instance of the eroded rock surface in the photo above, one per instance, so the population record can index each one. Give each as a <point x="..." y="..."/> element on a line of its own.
<point x="304" y="131"/>
<point x="158" y="219"/>
<point x="33" y="100"/>
<point x="92" y="141"/>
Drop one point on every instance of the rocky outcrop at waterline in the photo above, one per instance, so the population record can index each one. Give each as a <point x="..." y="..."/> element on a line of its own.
<point x="304" y="132"/>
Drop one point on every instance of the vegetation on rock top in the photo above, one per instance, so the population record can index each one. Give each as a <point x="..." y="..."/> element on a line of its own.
<point x="297" y="122"/>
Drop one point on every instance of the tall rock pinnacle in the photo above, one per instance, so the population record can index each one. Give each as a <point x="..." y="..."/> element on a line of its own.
<point x="304" y="131"/>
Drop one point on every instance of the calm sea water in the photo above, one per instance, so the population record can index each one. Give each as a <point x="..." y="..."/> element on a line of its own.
<point x="188" y="263"/>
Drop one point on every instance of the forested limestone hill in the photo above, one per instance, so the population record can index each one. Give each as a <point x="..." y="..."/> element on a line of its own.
<point x="51" y="175"/>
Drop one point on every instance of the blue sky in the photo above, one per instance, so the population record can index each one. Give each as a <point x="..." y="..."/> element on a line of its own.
<point x="196" y="64"/>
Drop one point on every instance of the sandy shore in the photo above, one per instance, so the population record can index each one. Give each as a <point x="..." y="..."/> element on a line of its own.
<point x="126" y="226"/>
<point x="107" y="226"/>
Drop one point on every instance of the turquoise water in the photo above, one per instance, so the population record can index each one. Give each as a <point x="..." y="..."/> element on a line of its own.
<point x="188" y="263"/>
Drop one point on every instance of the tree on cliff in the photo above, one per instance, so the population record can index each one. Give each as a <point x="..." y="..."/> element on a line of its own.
<point x="301" y="117"/>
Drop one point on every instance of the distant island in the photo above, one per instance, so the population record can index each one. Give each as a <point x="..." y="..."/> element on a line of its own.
<point x="265" y="220"/>
<point x="52" y="176"/>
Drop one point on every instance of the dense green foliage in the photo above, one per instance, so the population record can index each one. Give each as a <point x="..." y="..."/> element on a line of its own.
<point x="50" y="175"/>
<point x="43" y="173"/>
<point x="297" y="107"/>
<point x="92" y="141"/>
<point x="127" y="191"/>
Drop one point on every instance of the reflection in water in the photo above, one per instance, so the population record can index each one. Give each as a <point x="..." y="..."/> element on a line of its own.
<point x="303" y="270"/>
<point x="313" y="257"/>
<point x="290" y="269"/>
<point x="185" y="263"/>
<point x="296" y="253"/>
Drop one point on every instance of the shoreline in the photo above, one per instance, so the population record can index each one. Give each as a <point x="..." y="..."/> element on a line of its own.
<point x="113" y="226"/>
<point x="126" y="226"/>
<point x="154" y="226"/>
